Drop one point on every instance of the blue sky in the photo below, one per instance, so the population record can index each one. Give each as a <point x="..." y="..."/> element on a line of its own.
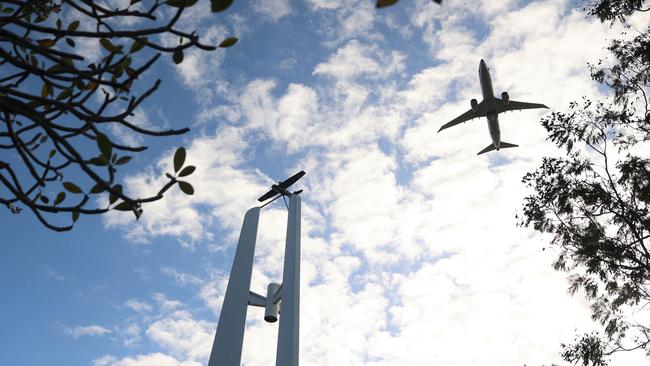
<point x="410" y="255"/>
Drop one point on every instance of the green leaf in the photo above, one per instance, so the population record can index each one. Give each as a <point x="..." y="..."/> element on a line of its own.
<point x="59" y="198"/>
<point x="98" y="160"/>
<point x="112" y="197"/>
<point x="46" y="90"/>
<point x="66" y="93"/>
<point x="44" y="199"/>
<point x="43" y="139"/>
<point x="109" y="46"/>
<point x="71" y="187"/>
<point x="73" y="26"/>
<point x="178" y="56"/>
<point x="46" y="42"/>
<point x="179" y="158"/>
<point x="123" y="206"/>
<point x="70" y="42"/>
<point x="186" y="187"/>
<point x="187" y="171"/>
<point x="97" y="188"/>
<point x="75" y="216"/>
<point x="220" y="5"/>
<point x="230" y="41"/>
<point x="137" y="45"/>
<point x="52" y="153"/>
<point x="123" y="160"/>
<point x="104" y="145"/>
<point x="384" y="3"/>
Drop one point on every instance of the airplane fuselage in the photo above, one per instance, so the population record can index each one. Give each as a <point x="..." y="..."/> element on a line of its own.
<point x="490" y="103"/>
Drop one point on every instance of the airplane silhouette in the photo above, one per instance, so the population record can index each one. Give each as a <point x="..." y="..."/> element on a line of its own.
<point x="490" y="107"/>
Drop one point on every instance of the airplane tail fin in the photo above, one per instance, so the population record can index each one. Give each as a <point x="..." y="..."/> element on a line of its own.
<point x="502" y="145"/>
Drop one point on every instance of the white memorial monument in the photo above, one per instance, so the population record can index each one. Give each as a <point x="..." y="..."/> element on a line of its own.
<point x="227" y="346"/>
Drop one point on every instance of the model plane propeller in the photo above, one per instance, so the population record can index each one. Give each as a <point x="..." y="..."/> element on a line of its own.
<point x="282" y="186"/>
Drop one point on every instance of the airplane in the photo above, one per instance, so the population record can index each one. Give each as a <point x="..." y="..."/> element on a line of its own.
<point x="281" y="187"/>
<point x="490" y="107"/>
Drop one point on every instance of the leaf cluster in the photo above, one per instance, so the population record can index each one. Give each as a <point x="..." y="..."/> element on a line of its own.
<point x="57" y="109"/>
<point x="595" y="201"/>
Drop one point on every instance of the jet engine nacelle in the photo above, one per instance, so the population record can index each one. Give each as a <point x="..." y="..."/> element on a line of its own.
<point x="474" y="104"/>
<point x="505" y="97"/>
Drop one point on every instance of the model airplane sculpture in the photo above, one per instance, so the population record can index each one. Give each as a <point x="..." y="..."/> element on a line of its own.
<point x="490" y="107"/>
<point x="281" y="187"/>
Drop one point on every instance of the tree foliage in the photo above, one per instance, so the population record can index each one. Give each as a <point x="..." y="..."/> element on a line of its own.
<point x="58" y="109"/>
<point x="596" y="200"/>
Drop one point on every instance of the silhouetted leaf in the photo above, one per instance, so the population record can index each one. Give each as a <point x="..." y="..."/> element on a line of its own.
<point x="178" y="56"/>
<point x="44" y="199"/>
<point x="109" y="46"/>
<point x="220" y="5"/>
<point x="73" y="26"/>
<point x="104" y="145"/>
<point x="71" y="187"/>
<point x="179" y="3"/>
<point x="46" y="42"/>
<point x="179" y="158"/>
<point x="123" y="206"/>
<point x="137" y="45"/>
<point x="123" y="160"/>
<point x="230" y="41"/>
<point x="59" y="198"/>
<point x="186" y="187"/>
<point x="187" y="171"/>
<point x="98" y="160"/>
<point x="52" y="153"/>
<point x="75" y="215"/>
<point x="97" y="188"/>
<point x="115" y="192"/>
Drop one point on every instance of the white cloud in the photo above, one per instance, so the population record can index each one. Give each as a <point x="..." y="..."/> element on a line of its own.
<point x="361" y="60"/>
<point x="138" y="306"/>
<point x="87" y="330"/>
<point x="181" y="278"/>
<point x="273" y="9"/>
<point x="183" y="335"/>
<point x="410" y="249"/>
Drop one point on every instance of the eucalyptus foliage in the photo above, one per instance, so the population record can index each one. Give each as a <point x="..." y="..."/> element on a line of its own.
<point x="57" y="108"/>
<point x="595" y="201"/>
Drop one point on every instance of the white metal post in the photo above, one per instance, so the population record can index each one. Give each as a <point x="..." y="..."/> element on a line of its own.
<point x="288" y="334"/>
<point x="227" y="346"/>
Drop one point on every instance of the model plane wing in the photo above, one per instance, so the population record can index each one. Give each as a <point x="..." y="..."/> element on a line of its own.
<point x="513" y="105"/>
<point x="291" y="180"/>
<point x="267" y="195"/>
<point x="465" y="117"/>
<point x="283" y="185"/>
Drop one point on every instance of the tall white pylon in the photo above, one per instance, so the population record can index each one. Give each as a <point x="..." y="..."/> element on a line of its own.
<point x="227" y="346"/>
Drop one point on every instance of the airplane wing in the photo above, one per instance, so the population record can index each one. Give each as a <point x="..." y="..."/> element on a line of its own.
<point x="513" y="105"/>
<point x="465" y="117"/>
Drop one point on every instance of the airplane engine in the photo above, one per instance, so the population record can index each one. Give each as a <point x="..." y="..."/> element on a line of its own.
<point x="505" y="97"/>
<point x="474" y="104"/>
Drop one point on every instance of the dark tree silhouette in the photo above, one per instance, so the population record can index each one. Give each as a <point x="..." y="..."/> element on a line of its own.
<point x="57" y="109"/>
<point x="596" y="200"/>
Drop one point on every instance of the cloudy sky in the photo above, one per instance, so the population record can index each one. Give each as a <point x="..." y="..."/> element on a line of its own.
<point x="410" y="250"/>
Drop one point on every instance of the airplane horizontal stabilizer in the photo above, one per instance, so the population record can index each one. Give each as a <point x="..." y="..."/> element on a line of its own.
<point x="488" y="148"/>
<point x="504" y="145"/>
